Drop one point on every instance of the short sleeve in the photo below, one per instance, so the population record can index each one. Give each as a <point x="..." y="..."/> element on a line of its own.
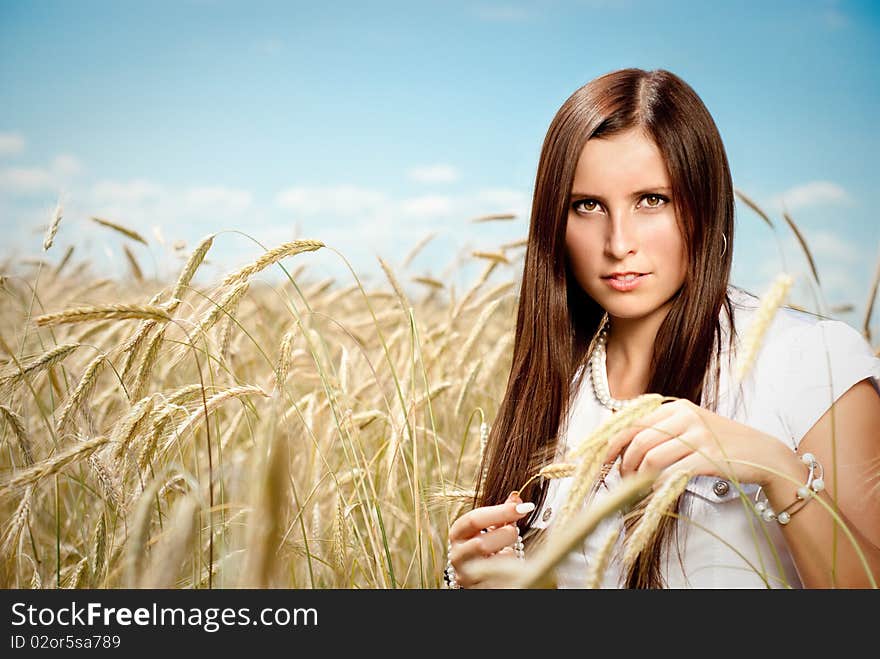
<point x="811" y="381"/>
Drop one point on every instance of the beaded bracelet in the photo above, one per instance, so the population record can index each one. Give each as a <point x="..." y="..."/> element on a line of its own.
<point x="805" y="492"/>
<point x="450" y="577"/>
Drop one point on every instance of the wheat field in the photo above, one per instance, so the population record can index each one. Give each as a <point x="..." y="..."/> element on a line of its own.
<point x="264" y="430"/>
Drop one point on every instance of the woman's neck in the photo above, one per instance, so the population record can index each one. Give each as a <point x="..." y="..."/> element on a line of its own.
<point x="628" y="353"/>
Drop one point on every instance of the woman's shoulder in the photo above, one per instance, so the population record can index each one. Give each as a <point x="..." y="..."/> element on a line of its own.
<point x="795" y="330"/>
<point x="804" y="362"/>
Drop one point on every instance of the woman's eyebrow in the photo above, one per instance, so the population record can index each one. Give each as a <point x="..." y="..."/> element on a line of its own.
<point x="639" y="193"/>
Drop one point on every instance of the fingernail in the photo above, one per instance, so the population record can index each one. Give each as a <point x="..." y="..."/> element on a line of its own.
<point x="523" y="508"/>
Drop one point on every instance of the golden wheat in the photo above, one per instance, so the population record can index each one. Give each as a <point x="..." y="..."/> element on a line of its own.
<point x="751" y="343"/>
<point x="662" y="498"/>
<point x="103" y="312"/>
<point x="18" y="428"/>
<point x="53" y="228"/>
<point x="271" y="257"/>
<point x="125" y="231"/>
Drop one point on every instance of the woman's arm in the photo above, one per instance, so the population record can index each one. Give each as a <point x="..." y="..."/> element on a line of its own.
<point x="851" y="461"/>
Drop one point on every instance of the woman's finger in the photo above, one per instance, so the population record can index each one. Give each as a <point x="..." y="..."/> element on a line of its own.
<point x="472" y="522"/>
<point x="649" y="438"/>
<point x="620" y="441"/>
<point x="484" y="545"/>
<point x="662" y="455"/>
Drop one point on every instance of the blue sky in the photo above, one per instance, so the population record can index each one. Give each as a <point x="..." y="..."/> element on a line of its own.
<point x="369" y="125"/>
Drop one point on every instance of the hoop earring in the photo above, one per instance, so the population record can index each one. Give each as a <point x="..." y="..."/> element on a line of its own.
<point x="724" y="237"/>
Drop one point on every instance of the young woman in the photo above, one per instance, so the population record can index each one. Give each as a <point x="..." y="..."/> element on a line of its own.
<point x="625" y="290"/>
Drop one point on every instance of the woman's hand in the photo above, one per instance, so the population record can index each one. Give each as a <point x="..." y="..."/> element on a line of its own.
<point x="681" y="435"/>
<point x="469" y="543"/>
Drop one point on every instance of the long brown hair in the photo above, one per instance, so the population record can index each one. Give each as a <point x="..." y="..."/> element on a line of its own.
<point x="557" y="321"/>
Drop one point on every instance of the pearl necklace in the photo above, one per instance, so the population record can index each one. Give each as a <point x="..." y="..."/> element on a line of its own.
<point x="599" y="374"/>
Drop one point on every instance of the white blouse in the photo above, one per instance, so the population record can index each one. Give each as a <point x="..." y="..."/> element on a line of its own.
<point x="788" y="389"/>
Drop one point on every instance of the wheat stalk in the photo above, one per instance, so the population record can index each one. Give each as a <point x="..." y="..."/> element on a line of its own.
<point x="418" y="248"/>
<point x="44" y="361"/>
<point x="172" y="547"/>
<point x="81" y="392"/>
<point x="192" y="264"/>
<point x="135" y="422"/>
<point x="498" y="257"/>
<point x="522" y="242"/>
<point x="398" y="289"/>
<point x="99" y="546"/>
<point x="476" y="331"/>
<point x="18" y="428"/>
<point x="77" y="577"/>
<point x="64" y="260"/>
<point x="53" y="227"/>
<point x="104" y="312"/>
<point x="17" y="522"/>
<point x="223" y="306"/>
<point x="465" y="300"/>
<point x="48" y="467"/>
<point x="213" y="403"/>
<point x="429" y="281"/>
<point x="125" y="231"/>
<point x="270" y="257"/>
<point x="551" y="471"/>
<point x="494" y="217"/>
<point x="107" y="482"/>
<point x="601" y="558"/>
<point x="758" y="327"/>
<point x="136" y="271"/>
<point x="469" y="380"/>
<point x="662" y="498"/>
<point x="142" y="377"/>
<point x="635" y="410"/>
<point x="138" y="537"/>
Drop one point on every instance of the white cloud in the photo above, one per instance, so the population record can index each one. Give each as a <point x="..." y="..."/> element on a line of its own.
<point x="11" y="144"/>
<point x="427" y="206"/>
<point x="66" y="165"/>
<point x="340" y="200"/>
<point x="809" y="194"/>
<point x="824" y="244"/>
<point x="504" y="200"/>
<point x="31" y="180"/>
<point x="218" y="199"/>
<point x="26" y="180"/>
<point x="434" y="174"/>
<point x="135" y="192"/>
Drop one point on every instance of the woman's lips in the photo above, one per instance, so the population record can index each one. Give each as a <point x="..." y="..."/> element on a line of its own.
<point x="622" y="285"/>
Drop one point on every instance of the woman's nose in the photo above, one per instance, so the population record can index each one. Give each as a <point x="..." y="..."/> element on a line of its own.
<point x="622" y="237"/>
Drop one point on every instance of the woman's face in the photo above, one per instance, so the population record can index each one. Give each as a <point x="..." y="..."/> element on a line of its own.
<point x="621" y="219"/>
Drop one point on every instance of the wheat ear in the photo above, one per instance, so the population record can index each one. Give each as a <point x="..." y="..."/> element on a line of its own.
<point x="53" y="465"/>
<point x="81" y="392"/>
<point x="601" y="558"/>
<point x="270" y="257"/>
<point x="53" y="227"/>
<point x="18" y="428"/>
<point x="192" y="264"/>
<point x="108" y="312"/>
<point x="758" y="327"/>
<point x="125" y="231"/>
<point x="662" y="498"/>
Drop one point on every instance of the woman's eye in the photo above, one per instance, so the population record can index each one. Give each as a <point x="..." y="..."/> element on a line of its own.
<point x="651" y="201"/>
<point x="656" y="198"/>
<point x="588" y="205"/>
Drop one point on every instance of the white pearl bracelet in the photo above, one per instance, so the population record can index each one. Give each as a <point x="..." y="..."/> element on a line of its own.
<point x="815" y="483"/>
<point x="450" y="577"/>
